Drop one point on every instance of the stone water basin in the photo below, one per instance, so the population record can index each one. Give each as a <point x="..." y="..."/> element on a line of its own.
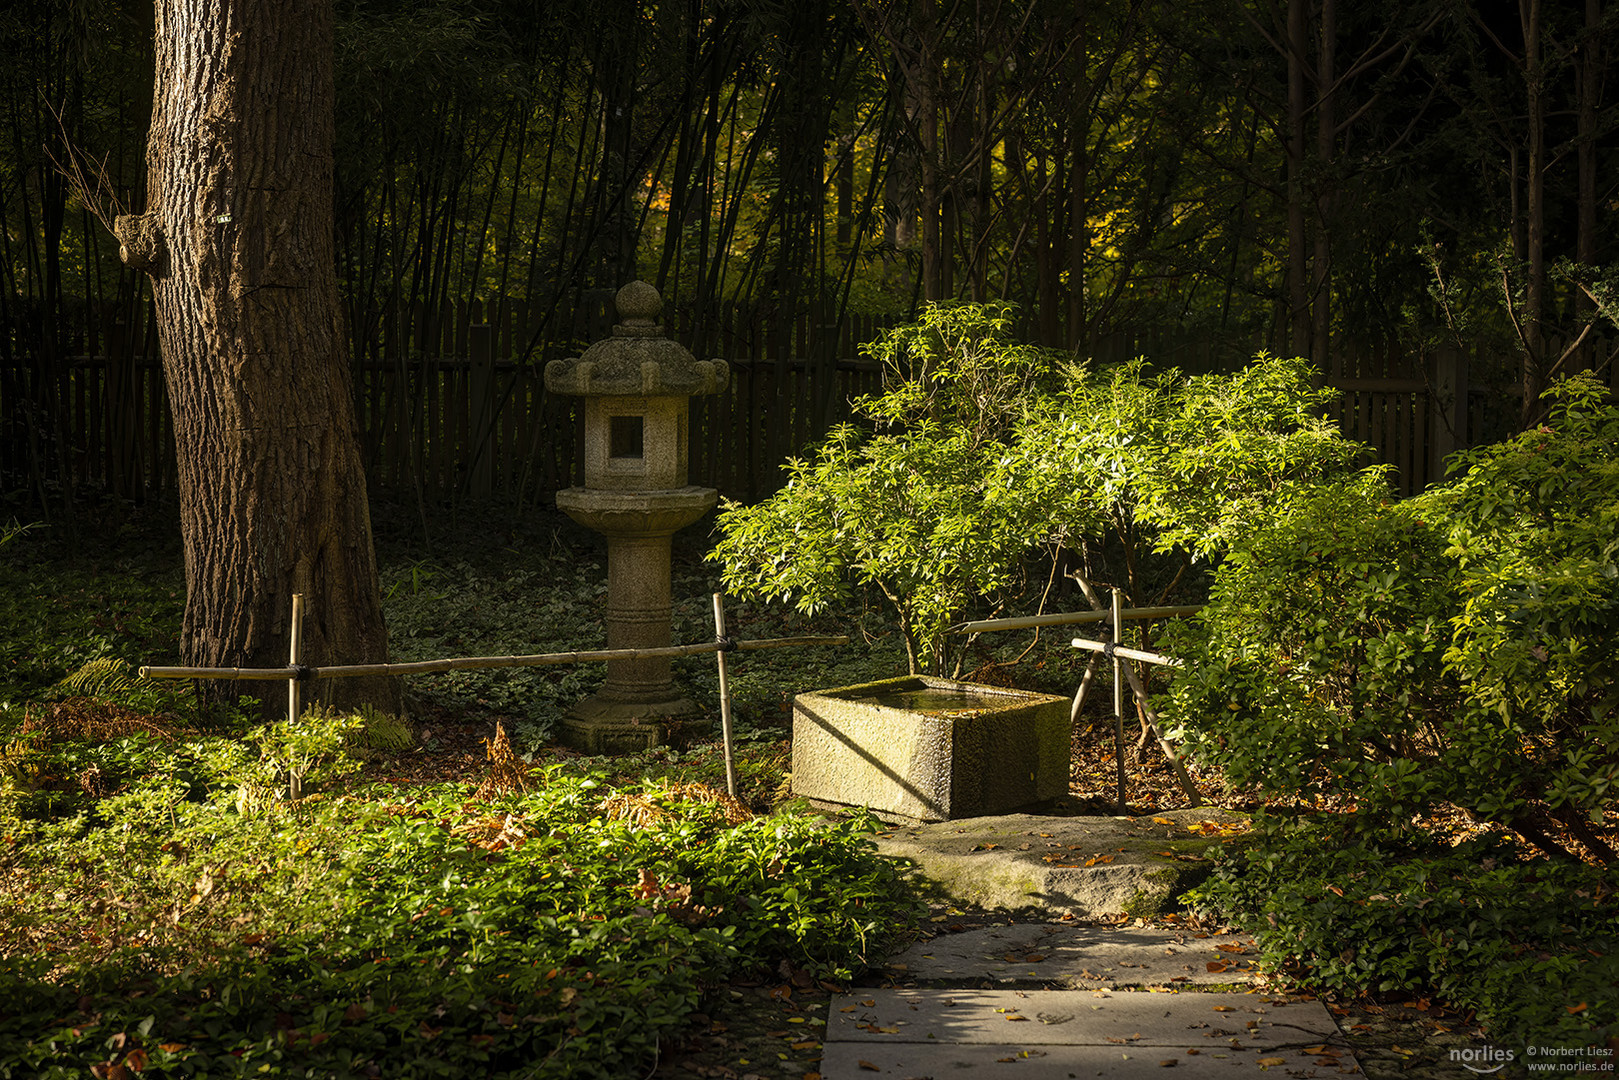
<point x="919" y="748"/>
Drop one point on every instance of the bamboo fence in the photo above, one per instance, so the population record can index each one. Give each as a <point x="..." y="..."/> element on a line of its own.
<point x="450" y="399"/>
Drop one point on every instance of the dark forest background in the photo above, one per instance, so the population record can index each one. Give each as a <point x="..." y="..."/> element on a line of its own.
<point x="1416" y="195"/>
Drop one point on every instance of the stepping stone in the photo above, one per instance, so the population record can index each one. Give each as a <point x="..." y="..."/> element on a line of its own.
<point x="1081" y="956"/>
<point x="1089" y="866"/>
<point x="1055" y="1034"/>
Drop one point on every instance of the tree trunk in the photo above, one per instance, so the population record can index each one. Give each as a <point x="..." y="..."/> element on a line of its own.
<point x="1534" y="312"/>
<point x="238" y="240"/>
<point x="927" y="131"/>
<point x="1588" y="92"/>
<point x="1298" y="265"/>
<point x="1325" y="147"/>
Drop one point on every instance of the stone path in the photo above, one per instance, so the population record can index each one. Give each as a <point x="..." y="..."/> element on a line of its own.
<point x="1049" y="1001"/>
<point x="1057" y="1034"/>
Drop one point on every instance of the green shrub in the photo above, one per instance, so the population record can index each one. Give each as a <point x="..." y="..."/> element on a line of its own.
<point x="987" y="451"/>
<point x="1453" y="648"/>
<point x="928" y="509"/>
<point x="1533" y="948"/>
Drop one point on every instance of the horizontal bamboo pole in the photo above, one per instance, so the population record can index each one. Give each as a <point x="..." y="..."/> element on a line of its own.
<point x="472" y="663"/>
<point x="1024" y="622"/>
<point x="1128" y="654"/>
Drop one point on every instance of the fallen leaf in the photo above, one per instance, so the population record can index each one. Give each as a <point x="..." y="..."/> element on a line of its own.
<point x="1575" y="1010"/>
<point x="868" y="1066"/>
<point x="136" y="1059"/>
<point x="1224" y="1008"/>
<point x="1217" y="965"/>
<point x="1273" y="1061"/>
<point x="1162" y="821"/>
<point x="1168" y="1063"/>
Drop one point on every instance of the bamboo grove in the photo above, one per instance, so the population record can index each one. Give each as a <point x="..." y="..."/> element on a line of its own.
<point x="1295" y="172"/>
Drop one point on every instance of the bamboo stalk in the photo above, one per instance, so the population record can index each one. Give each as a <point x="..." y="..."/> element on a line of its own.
<point x="470" y="663"/>
<point x="1117" y="623"/>
<point x="725" y="693"/>
<point x="1130" y="654"/>
<point x="1164" y="744"/>
<point x="1024" y="622"/>
<point x="294" y="781"/>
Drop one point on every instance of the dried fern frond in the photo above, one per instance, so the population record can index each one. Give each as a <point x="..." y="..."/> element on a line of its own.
<point x="635" y="809"/>
<point x="644" y="810"/>
<point x="505" y="773"/>
<point x="94" y="719"/>
<point x="733" y="808"/>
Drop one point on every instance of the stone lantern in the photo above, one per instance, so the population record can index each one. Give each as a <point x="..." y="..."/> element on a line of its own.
<point x="637" y="387"/>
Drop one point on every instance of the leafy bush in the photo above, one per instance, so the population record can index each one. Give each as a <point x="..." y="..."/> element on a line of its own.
<point x="925" y="509"/>
<point x="1531" y="947"/>
<point x="534" y="935"/>
<point x="1453" y="648"/>
<point x="986" y="451"/>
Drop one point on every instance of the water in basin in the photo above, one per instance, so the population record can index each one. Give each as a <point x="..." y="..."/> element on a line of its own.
<point x="937" y="699"/>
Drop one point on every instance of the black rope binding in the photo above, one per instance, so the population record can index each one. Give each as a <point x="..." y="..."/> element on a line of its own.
<point x="1109" y="648"/>
<point x="726" y="644"/>
<point x="302" y="672"/>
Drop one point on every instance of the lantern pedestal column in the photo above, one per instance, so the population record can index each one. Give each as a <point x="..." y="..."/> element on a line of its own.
<point x="638" y="703"/>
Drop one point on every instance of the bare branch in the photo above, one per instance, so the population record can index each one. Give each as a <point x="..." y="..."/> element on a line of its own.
<point x="74" y="173"/>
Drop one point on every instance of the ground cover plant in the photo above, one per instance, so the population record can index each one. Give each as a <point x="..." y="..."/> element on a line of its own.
<point x="169" y="910"/>
<point x="187" y="919"/>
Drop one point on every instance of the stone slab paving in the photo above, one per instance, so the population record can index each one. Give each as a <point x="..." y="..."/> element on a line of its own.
<point x="1081" y="957"/>
<point x="1089" y="866"/>
<point x="932" y="1033"/>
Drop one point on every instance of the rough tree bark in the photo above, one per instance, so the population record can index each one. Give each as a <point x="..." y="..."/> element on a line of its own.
<point x="237" y="238"/>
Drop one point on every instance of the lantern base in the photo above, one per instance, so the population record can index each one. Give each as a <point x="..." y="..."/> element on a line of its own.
<point x="599" y="725"/>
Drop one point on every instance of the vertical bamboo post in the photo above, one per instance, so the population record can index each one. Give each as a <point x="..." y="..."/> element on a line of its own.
<point x="295" y="782"/>
<point x="725" y="693"/>
<point x="1117" y="621"/>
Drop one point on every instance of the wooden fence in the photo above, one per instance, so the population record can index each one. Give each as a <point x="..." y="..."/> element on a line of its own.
<point x="451" y="402"/>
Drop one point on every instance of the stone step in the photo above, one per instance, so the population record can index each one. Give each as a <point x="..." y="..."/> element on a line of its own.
<point x="1087" y="866"/>
<point x="1088" y="957"/>
<point x="1057" y="1034"/>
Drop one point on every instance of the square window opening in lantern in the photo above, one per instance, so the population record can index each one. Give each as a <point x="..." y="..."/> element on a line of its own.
<point x="625" y="437"/>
